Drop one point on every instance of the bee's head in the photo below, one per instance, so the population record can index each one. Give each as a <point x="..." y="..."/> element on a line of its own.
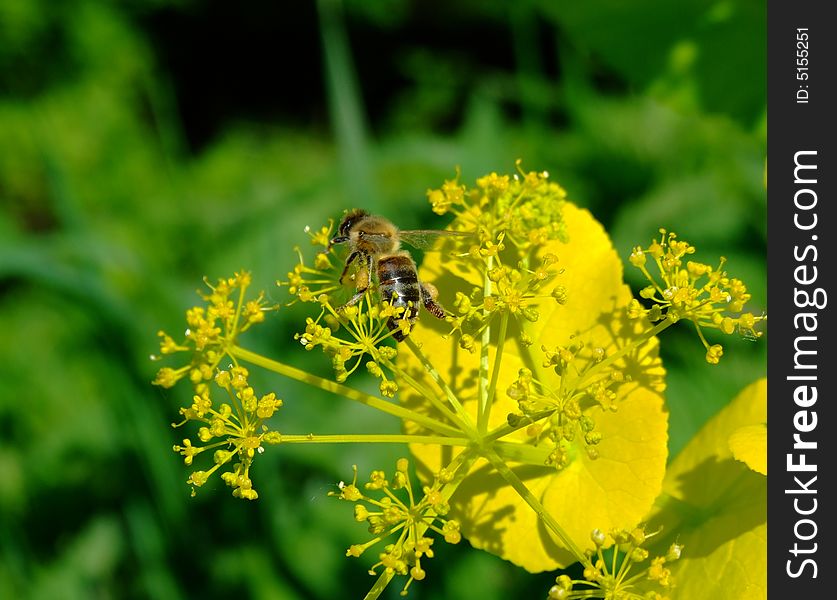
<point x="349" y="220"/>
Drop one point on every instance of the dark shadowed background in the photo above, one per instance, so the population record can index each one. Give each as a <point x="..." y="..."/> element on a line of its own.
<point x="149" y="143"/>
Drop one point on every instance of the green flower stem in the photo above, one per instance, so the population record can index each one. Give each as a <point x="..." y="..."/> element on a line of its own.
<point x="524" y="453"/>
<point x="485" y="346"/>
<point x="513" y="480"/>
<point x="380" y="585"/>
<point x="644" y="270"/>
<point x="505" y="429"/>
<point x="700" y="335"/>
<point x="657" y="329"/>
<point x="374" y="439"/>
<point x="664" y="274"/>
<point x="342" y="390"/>
<point x="428" y="395"/>
<point x="624" y="568"/>
<point x="231" y="331"/>
<point x="485" y="412"/>
<point x="467" y="427"/>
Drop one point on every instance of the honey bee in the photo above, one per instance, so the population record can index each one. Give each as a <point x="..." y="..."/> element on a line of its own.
<point x="376" y="243"/>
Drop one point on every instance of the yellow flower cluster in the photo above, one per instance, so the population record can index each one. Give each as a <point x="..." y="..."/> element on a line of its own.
<point x="235" y="430"/>
<point x="315" y="283"/>
<point x="365" y="328"/>
<point x="397" y="510"/>
<point x="564" y="415"/>
<point x="705" y="295"/>
<point x="527" y="206"/>
<point x="212" y="329"/>
<point x="622" y="575"/>
<point x="515" y="291"/>
<point x="514" y="218"/>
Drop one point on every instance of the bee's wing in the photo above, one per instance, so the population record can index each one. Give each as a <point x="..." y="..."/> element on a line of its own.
<point x="425" y="239"/>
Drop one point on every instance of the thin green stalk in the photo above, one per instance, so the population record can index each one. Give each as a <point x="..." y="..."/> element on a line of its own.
<point x="505" y="429"/>
<point x="485" y="346"/>
<point x="614" y="561"/>
<point x="380" y="585"/>
<point x="428" y="395"/>
<point x="467" y="426"/>
<point x="700" y="334"/>
<point x="238" y="307"/>
<point x="658" y="328"/>
<point x="345" y="391"/>
<point x="513" y="480"/>
<point x="485" y="413"/>
<point x="374" y="439"/>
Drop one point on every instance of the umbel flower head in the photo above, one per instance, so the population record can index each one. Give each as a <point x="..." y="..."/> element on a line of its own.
<point x="620" y="569"/>
<point x="211" y="329"/>
<point x="688" y="290"/>
<point x="391" y="508"/>
<point x="235" y="430"/>
<point x="515" y="218"/>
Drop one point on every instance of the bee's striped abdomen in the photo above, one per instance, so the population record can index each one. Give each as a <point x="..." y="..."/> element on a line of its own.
<point x="398" y="283"/>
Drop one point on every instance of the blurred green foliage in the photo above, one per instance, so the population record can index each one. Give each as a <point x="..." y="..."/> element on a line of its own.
<point x="148" y="143"/>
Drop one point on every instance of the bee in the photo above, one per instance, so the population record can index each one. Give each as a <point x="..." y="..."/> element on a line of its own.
<point x="375" y="242"/>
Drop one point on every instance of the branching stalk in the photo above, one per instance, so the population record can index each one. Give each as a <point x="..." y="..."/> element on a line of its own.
<point x="342" y="390"/>
<point x="513" y="480"/>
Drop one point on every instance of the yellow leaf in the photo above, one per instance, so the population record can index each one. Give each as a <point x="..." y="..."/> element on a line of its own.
<point x="613" y="491"/>
<point x="749" y="445"/>
<point x="716" y="508"/>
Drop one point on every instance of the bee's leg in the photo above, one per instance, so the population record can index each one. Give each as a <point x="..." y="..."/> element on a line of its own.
<point x="349" y="261"/>
<point x="429" y="293"/>
<point x="368" y="270"/>
<point x="353" y="300"/>
<point x="361" y="290"/>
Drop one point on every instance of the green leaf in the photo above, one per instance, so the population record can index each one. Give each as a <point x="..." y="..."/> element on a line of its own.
<point x="716" y="507"/>
<point x="749" y="445"/>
